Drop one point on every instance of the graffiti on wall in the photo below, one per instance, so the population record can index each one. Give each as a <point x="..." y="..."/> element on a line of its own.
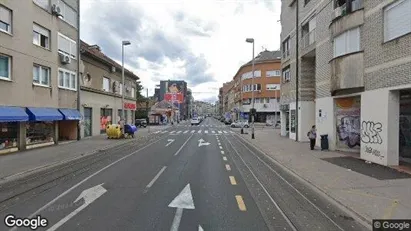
<point x="348" y="113"/>
<point x="370" y="132"/>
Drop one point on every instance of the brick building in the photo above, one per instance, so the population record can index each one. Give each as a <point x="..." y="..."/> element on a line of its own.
<point x="354" y="75"/>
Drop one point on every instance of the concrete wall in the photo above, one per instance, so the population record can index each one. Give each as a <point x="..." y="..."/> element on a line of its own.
<point x="326" y="124"/>
<point x="347" y="71"/>
<point x="380" y="126"/>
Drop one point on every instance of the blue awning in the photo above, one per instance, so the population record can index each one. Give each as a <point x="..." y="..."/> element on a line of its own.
<point x="70" y="114"/>
<point x="13" y="114"/>
<point x="43" y="114"/>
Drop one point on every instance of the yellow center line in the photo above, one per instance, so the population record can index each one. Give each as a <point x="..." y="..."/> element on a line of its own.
<point x="232" y="180"/>
<point x="227" y="166"/>
<point x="240" y="203"/>
<point x="224" y="158"/>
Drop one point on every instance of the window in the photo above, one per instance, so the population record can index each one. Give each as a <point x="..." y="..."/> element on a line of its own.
<point x="397" y="19"/>
<point x="257" y="100"/>
<point x="347" y="42"/>
<point x="106" y="84"/>
<point x="273" y="73"/>
<point x="41" y="36"/>
<point x="267" y="100"/>
<point x="67" y="46"/>
<point x="286" y="74"/>
<point x="272" y="86"/>
<point x="286" y="47"/>
<point x="42" y="3"/>
<point x="41" y="75"/>
<point x="69" y="15"/>
<point x="5" y="19"/>
<point x="67" y="79"/>
<point x="133" y="92"/>
<point x="5" y="67"/>
<point x="249" y="75"/>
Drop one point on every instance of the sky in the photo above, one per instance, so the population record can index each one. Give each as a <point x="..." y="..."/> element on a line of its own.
<point x="199" y="41"/>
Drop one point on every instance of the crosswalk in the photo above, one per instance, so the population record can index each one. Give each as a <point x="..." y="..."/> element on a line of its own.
<point x="174" y="132"/>
<point x="203" y="125"/>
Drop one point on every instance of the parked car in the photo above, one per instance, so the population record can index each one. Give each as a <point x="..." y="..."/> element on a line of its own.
<point x="240" y="124"/>
<point x="141" y="123"/>
<point x="195" y="121"/>
<point x="227" y="121"/>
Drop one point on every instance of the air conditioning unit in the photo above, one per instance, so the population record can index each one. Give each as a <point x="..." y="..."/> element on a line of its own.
<point x="116" y="86"/>
<point x="65" y="59"/>
<point x="337" y="12"/>
<point x="55" y="9"/>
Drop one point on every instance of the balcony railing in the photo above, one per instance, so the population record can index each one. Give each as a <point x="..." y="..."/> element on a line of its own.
<point x="308" y="39"/>
<point x="357" y="4"/>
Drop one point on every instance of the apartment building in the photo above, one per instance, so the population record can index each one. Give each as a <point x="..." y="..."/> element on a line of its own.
<point x="102" y="89"/>
<point x="220" y="101"/>
<point x="266" y="88"/>
<point x="352" y="63"/>
<point x="38" y="73"/>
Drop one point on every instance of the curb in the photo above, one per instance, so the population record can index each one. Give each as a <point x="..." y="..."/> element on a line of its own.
<point x="358" y="217"/>
<point x="31" y="171"/>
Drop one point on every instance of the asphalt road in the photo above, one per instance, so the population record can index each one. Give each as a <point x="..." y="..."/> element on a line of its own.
<point x="184" y="178"/>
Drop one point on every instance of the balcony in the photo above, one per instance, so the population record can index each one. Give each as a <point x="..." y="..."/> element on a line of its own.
<point x="342" y="8"/>
<point x="308" y="43"/>
<point x="347" y="71"/>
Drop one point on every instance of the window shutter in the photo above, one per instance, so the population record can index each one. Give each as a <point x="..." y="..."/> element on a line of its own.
<point x="353" y="40"/>
<point x="339" y="45"/>
<point x="397" y="19"/>
<point x="5" y="15"/>
<point x="41" y="30"/>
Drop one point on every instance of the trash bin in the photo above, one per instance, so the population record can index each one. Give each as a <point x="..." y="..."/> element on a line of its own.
<point x="324" y="142"/>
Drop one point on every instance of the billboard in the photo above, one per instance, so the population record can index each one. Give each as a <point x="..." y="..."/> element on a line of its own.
<point x="174" y="97"/>
<point x="174" y="91"/>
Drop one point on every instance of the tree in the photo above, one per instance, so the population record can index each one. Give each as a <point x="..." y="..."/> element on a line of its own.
<point x="139" y="91"/>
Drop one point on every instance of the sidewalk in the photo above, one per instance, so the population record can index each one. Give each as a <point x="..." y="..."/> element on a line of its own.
<point x="26" y="161"/>
<point x="372" y="191"/>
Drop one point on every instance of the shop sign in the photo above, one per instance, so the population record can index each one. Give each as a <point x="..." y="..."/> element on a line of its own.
<point x="131" y="106"/>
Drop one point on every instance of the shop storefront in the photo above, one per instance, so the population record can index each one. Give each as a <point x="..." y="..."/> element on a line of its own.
<point x="106" y="118"/>
<point x="42" y="127"/>
<point x="348" y="123"/>
<point x="10" y="119"/>
<point x="68" y="126"/>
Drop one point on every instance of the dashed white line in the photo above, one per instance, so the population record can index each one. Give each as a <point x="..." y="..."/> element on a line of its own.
<point x="225" y="132"/>
<point x="199" y="131"/>
<point x="172" y="132"/>
<point x="156" y="177"/>
<point x="221" y="147"/>
<point x="192" y="131"/>
<point x="213" y="132"/>
<point x="227" y="166"/>
<point x="185" y="132"/>
<point x="219" y="132"/>
<point x="224" y="158"/>
<point x="178" y="132"/>
<point x="222" y="152"/>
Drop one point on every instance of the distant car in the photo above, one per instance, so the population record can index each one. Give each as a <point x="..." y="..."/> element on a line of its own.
<point x="240" y="124"/>
<point x="195" y="121"/>
<point x="228" y="121"/>
<point x="141" y="123"/>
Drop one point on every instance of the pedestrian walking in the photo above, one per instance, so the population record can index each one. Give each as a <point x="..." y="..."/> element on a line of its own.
<point x="312" y="135"/>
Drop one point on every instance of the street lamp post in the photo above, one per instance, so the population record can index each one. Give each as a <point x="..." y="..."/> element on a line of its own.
<point x="124" y="43"/>
<point x="251" y="40"/>
<point x="241" y="101"/>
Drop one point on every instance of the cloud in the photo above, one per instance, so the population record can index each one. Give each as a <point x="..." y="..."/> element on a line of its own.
<point x="201" y="42"/>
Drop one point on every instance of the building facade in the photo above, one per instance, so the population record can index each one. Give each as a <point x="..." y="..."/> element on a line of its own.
<point x="354" y="75"/>
<point x="266" y="88"/>
<point x="38" y="73"/>
<point x="101" y="91"/>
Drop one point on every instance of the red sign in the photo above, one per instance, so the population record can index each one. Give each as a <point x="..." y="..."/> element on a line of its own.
<point x="174" y="97"/>
<point x="131" y="106"/>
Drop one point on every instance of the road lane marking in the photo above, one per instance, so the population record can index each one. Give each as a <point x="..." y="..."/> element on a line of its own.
<point x="199" y="131"/>
<point x="192" y="131"/>
<point x="240" y="203"/>
<point x="227" y="166"/>
<point x="87" y="178"/>
<point x="172" y="132"/>
<point x="232" y="180"/>
<point x="224" y="158"/>
<point x="164" y="132"/>
<point x="221" y="147"/>
<point x="182" y="146"/>
<point x="231" y="132"/>
<point x="212" y="131"/>
<point x="185" y="132"/>
<point x="262" y="186"/>
<point x="225" y="132"/>
<point x="219" y="132"/>
<point x="157" y="132"/>
<point x="222" y="152"/>
<point x="206" y="131"/>
<point x="178" y="132"/>
<point x="156" y="177"/>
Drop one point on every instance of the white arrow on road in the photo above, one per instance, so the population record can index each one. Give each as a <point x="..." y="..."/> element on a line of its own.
<point x="202" y="143"/>
<point x="200" y="228"/>
<point x="89" y="195"/>
<point x="184" y="200"/>
<point x="169" y="142"/>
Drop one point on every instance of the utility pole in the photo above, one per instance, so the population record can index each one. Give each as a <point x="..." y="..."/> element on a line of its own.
<point x="296" y="71"/>
<point x="148" y="116"/>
